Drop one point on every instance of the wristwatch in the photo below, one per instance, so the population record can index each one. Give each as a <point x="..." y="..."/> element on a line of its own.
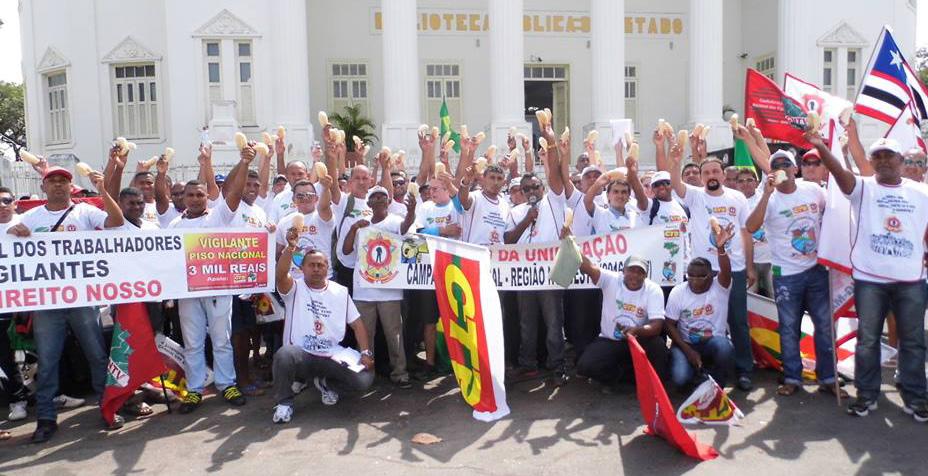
<point x="368" y="353"/>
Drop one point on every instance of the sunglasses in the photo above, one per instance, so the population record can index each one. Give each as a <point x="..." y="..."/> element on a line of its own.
<point x="811" y="163"/>
<point x="304" y="196"/>
<point x="7" y="201"/>
<point x="914" y="163"/>
<point x="529" y="188"/>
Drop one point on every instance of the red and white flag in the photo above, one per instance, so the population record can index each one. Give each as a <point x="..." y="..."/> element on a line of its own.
<point x="907" y="132"/>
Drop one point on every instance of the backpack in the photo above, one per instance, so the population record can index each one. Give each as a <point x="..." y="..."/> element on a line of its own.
<point x="656" y="206"/>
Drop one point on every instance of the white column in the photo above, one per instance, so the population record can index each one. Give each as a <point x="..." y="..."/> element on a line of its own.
<point x="507" y="84"/>
<point x="290" y="78"/>
<point x="607" y="25"/>
<point x="790" y="16"/>
<point x="401" y="77"/>
<point x="705" y="75"/>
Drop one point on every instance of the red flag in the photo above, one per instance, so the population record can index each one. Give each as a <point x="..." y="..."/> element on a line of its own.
<point x="657" y="411"/>
<point x="134" y="359"/>
<point x="777" y="115"/>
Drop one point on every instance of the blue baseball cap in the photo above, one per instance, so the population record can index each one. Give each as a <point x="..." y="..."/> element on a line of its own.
<point x="220" y="178"/>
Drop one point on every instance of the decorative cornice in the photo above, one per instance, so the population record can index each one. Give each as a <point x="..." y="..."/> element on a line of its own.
<point x="225" y="24"/>
<point x="129" y="50"/>
<point x="52" y="59"/>
<point x="843" y="35"/>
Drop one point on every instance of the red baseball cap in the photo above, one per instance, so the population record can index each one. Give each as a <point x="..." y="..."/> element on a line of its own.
<point x="52" y="171"/>
<point x="812" y="154"/>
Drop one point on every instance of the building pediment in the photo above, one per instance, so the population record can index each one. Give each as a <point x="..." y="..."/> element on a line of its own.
<point x="842" y="35"/>
<point x="225" y="24"/>
<point x="52" y="59"/>
<point x="130" y="50"/>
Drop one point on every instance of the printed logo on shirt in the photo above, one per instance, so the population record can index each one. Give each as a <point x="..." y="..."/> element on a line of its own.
<point x="722" y="210"/>
<point x="888" y="245"/>
<point x="802" y="235"/>
<point x="251" y="221"/>
<point x="893" y="224"/>
<point x="723" y="222"/>
<point x="494" y="237"/>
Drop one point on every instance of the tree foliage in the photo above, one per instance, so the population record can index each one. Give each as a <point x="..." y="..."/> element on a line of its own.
<point x="354" y="124"/>
<point x="12" y="116"/>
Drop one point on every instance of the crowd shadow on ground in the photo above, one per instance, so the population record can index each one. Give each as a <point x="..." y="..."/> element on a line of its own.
<point x="781" y="428"/>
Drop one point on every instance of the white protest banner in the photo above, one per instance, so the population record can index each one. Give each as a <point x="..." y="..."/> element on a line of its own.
<point x="402" y="262"/>
<point x="61" y="270"/>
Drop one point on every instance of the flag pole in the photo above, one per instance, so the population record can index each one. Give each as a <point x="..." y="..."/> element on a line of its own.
<point x="834" y="347"/>
<point x="167" y="402"/>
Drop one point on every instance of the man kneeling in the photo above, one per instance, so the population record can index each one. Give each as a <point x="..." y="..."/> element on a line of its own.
<point x="316" y="313"/>
<point x="697" y="319"/>
<point x="632" y="305"/>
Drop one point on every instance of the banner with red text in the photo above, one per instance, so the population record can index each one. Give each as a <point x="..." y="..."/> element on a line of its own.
<point x="74" y="269"/>
<point x="402" y="262"/>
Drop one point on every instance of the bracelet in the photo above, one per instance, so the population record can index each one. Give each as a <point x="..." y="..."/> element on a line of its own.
<point x="368" y="353"/>
<point x="722" y="253"/>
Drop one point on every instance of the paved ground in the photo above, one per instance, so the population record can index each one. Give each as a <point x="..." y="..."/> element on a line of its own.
<point x="575" y="429"/>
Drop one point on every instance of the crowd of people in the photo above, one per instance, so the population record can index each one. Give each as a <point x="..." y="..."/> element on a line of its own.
<point x="744" y="229"/>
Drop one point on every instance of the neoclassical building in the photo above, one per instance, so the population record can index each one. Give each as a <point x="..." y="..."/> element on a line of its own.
<point x="160" y="71"/>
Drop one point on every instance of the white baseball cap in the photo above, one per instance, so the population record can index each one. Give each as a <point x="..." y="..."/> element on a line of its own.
<point x="884" y="143"/>
<point x="660" y="175"/>
<point x="783" y="153"/>
<point x="590" y="168"/>
<point x="377" y="189"/>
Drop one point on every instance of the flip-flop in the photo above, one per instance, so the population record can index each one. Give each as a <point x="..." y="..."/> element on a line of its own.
<point x="787" y="389"/>
<point x="140" y="410"/>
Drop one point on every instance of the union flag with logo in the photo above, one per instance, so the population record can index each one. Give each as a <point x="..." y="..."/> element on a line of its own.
<point x="472" y="319"/>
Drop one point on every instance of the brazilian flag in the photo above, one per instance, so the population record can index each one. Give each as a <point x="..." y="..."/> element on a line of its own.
<point x="743" y="156"/>
<point x="446" y="126"/>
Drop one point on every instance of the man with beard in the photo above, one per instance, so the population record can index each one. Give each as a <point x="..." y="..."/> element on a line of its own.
<point x="723" y="206"/>
<point x="539" y="220"/>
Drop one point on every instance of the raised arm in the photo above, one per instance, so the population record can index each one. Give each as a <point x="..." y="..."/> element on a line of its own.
<point x="675" y="160"/>
<point x="640" y="196"/>
<point x="555" y="181"/>
<point x="282" y="271"/>
<point x="857" y="149"/>
<point x="162" y="191"/>
<point x="756" y="218"/>
<point x="325" y="201"/>
<point x="114" y="217"/>
<point x="590" y="269"/>
<point x="237" y="178"/>
<point x="529" y="155"/>
<point x="660" y="154"/>
<point x="207" y="175"/>
<point x="112" y="173"/>
<point x="427" y="163"/>
<point x="348" y="244"/>
<point x="721" y="238"/>
<point x="760" y="152"/>
<point x="280" y="149"/>
<point x="264" y="174"/>
<point x="845" y="178"/>
<point x="593" y="192"/>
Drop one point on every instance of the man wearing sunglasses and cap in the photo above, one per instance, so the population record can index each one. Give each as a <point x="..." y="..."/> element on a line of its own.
<point x="791" y="211"/>
<point x="632" y="305"/>
<point x="811" y="168"/>
<point x="887" y="255"/>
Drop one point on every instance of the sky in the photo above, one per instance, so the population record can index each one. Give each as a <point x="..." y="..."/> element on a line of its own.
<point x="10" y="69"/>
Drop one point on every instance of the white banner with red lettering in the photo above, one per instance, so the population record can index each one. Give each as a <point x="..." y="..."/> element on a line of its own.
<point x="391" y="261"/>
<point x="74" y="269"/>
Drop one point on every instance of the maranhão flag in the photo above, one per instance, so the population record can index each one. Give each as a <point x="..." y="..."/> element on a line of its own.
<point x="710" y="405"/>
<point x="813" y="99"/>
<point x="471" y="316"/>
<point x="907" y="131"/>
<point x="777" y="115"/>
<point x="656" y="410"/>
<point x="134" y="360"/>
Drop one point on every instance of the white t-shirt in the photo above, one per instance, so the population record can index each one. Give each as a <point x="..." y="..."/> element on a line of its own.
<point x="485" y="222"/>
<point x="667" y="212"/>
<point x="217" y="217"/>
<point x="4" y="227"/>
<point x="249" y="216"/>
<point x="390" y="224"/>
<point x="794" y="222"/>
<point x="165" y="219"/>
<point x="624" y="308"/>
<point x="547" y="227"/>
<point x="699" y="316"/>
<point x="430" y="215"/>
<point x="316" y="234"/>
<point x="316" y="319"/>
<point x="129" y="226"/>
<point x="583" y="222"/>
<point x="729" y="207"/>
<point x="889" y="242"/>
<point x="360" y="211"/>
<point x="397" y="208"/>
<point x="608" y="220"/>
<point x="282" y="203"/>
<point x="82" y="218"/>
<point x="759" y="237"/>
<point x="150" y="214"/>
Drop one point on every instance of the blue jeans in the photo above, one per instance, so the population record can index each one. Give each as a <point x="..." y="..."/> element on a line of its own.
<point x="197" y="316"/>
<point x="50" y="327"/>
<point x="716" y="354"/>
<point x="907" y="302"/>
<point x="796" y="294"/>
<point x="738" y="323"/>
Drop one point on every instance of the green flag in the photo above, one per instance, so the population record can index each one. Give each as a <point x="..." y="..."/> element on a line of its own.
<point x="446" y="126"/>
<point x="743" y="155"/>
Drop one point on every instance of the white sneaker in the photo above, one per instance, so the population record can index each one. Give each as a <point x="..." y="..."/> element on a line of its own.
<point x="297" y="387"/>
<point x="329" y="396"/>
<point x="17" y="411"/>
<point x="282" y="413"/>
<point x="64" y="401"/>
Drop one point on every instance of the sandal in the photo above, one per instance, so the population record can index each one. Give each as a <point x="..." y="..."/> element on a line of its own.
<point x="787" y="389"/>
<point x="830" y="389"/>
<point x="139" y="410"/>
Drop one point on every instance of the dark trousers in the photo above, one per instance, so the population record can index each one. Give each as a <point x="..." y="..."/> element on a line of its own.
<point x="291" y="363"/>
<point x="549" y="305"/>
<point x="13" y="386"/>
<point x="608" y="361"/>
<point x="581" y="321"/>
